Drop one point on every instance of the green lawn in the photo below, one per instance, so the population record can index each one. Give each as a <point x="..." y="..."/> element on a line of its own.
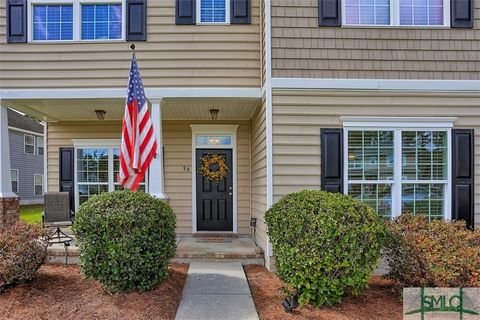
<point x="31" y="213"/>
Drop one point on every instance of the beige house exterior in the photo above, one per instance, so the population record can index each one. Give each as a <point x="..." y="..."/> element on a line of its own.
<point x="278" y="77"/>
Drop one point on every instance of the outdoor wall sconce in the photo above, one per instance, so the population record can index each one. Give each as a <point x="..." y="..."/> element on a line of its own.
<point x="214" y="114"/>
<point x="100" y="114"/>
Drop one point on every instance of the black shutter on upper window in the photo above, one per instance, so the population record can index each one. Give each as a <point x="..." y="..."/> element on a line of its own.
<point x="185" y="11"/>
<point x="136" y="20"/>
<point x="463" y="175"/>
<point x="331" y="141"/>
<point x="329" y="13"/>
<point x="67" y="174"/>
<point x="240" y="11"/>
<point x="16" y="21"/>
<point x="462" y="14"/>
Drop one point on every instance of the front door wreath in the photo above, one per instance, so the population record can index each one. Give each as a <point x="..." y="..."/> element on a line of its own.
<point x="214" y="167"/>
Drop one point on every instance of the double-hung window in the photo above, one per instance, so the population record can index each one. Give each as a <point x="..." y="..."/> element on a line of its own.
<point x="83" y="20"/>
<point x="101" y="21"/>
<point x="396" y="170"/>
<point x="38" y="184"/>
<point x="397" y="12"/>
<point x="29" y="144"/>
<point x="52" y="22"/>
<point x="40" y="146"/>
<point x="213" y="11"/>
<point x="14" y="177"/>
<point x="96" y="170"/>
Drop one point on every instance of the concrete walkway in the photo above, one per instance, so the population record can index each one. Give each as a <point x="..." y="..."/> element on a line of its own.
<point x="216" y="291"/>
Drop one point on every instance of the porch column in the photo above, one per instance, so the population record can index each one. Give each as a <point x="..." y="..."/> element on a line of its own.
<point x="155" y="181"/>
<point x="9" y="201"/>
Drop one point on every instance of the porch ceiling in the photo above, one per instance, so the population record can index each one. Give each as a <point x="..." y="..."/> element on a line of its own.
<point x="172" y="108"/>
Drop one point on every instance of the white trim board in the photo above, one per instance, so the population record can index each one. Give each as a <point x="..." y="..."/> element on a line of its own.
<point x="398" y="122"/>
<point x="376" y="84"/>
<point x="120" y="93"/>
<point x="202" y="129"/>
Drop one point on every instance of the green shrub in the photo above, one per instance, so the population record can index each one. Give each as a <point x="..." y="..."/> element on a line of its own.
<point x="21" y="252"/>
<point x="126" y="240"/>
<point x="432" y="254"/>
<point x="325" y="244"/>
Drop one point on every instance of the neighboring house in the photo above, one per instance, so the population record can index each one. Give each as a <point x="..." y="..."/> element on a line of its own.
<point x="27" y="149"/>
<point x="380" y="100"/>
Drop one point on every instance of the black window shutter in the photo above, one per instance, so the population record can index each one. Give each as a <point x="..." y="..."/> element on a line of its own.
<point x="240" y="11"/>
<point x="16" y="21"/>
<point x="185" y="11"/>
<point x="329" y="13"/>
<point x="136" y="20"/>
<point x="462" y="14"/>
<point x="331" y="140"/>
<point x="463" y="175"/>
<point x="66" y="173"/>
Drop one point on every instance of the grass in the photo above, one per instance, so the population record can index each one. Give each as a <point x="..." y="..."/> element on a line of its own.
<point x="31" y="213"/>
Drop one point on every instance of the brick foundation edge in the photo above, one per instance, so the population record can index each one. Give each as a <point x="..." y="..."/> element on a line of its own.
<point x="9" y="211"/>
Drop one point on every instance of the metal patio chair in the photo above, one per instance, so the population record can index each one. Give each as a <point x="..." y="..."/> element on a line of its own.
<point x="57" y="214"/>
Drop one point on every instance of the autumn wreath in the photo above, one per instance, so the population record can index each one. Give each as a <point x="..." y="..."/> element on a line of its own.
<point x="214" y="167"/>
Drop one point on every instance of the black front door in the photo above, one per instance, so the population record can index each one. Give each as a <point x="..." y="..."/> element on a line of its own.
<point x="214" y="199"/>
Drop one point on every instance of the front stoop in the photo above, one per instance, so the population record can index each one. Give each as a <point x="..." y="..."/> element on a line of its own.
<point x="231" y="249"/>
<point x="189" y="249"/>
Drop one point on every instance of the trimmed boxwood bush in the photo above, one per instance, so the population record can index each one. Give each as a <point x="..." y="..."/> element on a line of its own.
<point x="325" y="244"/>
<point x="22" y="253"/>
<point x="440" y="253"/>
<point x="126" y="240"/>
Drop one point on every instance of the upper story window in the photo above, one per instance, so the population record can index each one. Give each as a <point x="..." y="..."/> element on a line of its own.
<point x="52" y="22"/>
<point x="101" y="21"/>
<point x="84" y="20"/>
<point x="29" y="144"/>
<point x="40" y="146"/>
<point x="213" y="11"/>
<point x="397" y="12"/>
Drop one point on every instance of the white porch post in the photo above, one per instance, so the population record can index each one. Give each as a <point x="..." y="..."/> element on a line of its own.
<point x="5" y="178"/>
<point x="155" y="179"/>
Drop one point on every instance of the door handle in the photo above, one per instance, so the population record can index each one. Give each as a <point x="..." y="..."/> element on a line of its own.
<point x="230" y="193"/>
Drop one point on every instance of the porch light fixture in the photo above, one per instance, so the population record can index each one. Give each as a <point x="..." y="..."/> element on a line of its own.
<point x="214" y="114"/>
<point x="214" y="140"/>
<point x="100" y="114"/>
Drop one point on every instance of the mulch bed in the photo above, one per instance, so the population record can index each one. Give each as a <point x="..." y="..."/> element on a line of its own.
<point x="60" y="292"/>
<point x="377" y="302"/>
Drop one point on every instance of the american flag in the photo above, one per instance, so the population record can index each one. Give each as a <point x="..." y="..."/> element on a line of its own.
<point x="138" y="140"/>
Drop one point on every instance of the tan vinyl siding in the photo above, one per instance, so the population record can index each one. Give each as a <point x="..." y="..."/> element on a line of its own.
<point x="299" y="115"/>
<point x="302" y="49"/>
<point x="259" y="173"/>
<point x="173" y="56"/>
<point x="177" y="139"/>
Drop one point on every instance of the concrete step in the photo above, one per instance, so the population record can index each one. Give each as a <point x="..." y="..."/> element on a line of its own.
<point x="189" y="249"/>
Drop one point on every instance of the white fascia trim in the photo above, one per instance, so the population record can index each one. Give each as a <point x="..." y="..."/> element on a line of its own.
<point x="376" y="84"/>
<point x="25" y="131"/>
<point x="77" y="143"/>
<point x="120" y="93"/>
<point x="398" y="122"/>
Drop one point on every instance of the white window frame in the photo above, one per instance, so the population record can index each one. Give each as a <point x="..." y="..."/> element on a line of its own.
<point x="38" y="145"/>
<point x="399" y="125"/>
<point x="77" y="21"/>
<point x="199" y="16"/>
<point x="395" y="17"/>
<point x="18" y="180"/>
<point x="25" y="143"/>
<point x="109" y="144"/>
<point x="35" y="184"/>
